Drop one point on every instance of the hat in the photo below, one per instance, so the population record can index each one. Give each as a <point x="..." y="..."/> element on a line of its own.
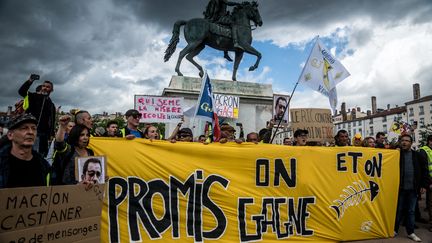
<point x="131" y="112"/>
<point x="299" y="132"/>
<point x="18" y="120"/>
<point x="185" y="130"/>
<point x="227" y="127"/>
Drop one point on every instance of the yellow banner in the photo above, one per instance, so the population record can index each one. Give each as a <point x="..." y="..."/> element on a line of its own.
<point x="246" y="192"/>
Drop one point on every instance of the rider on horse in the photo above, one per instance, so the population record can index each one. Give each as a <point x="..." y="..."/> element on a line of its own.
<point x="216" y="12"/>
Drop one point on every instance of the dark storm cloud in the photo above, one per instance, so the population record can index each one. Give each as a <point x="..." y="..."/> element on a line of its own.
<point x="276" y="13"/>
<point x="70" y="42"/>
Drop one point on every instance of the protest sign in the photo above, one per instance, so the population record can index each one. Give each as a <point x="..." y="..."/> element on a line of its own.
<point x="246" y="192"/>
<point x="159" y="109"/>
<point x="280" y="108"/>
<point x="50" y="214"/>
<point x="227" y="105"/>
<point x="90" y="168"/>
<point x="318" y="122"/>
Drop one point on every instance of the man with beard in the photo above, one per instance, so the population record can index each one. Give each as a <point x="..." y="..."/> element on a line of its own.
<point x="39" y="104"/>
<point x="342" y="139"/>
<point x="20" y="165"/>
<point x="413" y="179"/>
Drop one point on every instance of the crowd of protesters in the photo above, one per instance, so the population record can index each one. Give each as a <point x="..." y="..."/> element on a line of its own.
<point x="25" y="147"/>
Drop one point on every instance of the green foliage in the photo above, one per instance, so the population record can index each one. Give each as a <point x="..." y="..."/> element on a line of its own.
<point x="424" y="132"/>
<point x="103" y="122"/>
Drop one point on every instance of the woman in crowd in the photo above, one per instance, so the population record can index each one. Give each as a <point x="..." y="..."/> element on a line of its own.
<point x="151" y="132"/>
<point x="66" y="151"/>
<point x="369" y="142"/>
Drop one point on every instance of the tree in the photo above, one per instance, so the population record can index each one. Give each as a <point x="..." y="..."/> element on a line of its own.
<point x="424" y="132"/>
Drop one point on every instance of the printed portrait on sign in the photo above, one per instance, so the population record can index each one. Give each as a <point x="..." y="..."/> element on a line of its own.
<point x="280" y="104"/>
<point x="90" y="169"/>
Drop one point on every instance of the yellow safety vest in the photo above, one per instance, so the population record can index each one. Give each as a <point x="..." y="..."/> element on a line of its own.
<point x="429" y="154"/>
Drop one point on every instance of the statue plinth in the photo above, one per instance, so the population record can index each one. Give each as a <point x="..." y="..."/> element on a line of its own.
<point x="191" y="87"/>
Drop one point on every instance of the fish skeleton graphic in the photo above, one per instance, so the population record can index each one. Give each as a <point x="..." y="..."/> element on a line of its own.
<point x="353" y="195"/>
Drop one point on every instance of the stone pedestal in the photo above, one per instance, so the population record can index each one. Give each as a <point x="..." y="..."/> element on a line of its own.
<point x="256" y="101"/>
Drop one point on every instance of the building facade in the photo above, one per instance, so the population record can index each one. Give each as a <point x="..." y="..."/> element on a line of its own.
<point x="417" y="113"/>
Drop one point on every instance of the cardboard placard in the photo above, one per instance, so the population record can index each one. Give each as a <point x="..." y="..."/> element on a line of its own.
<point x="318" y="122"/>
<point x="50" y="214"/>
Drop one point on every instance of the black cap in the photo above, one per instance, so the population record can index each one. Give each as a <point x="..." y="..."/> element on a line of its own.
<point x="132" y="112"/>
<point x="21" y="119"/>
<point x="185" y="130"/>
<point x="299" y="132"/>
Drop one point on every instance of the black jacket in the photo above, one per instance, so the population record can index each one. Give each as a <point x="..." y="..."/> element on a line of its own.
<point x="5" y="157"/>
<point x="47" y="118"/>
<point x="421" y="177"/>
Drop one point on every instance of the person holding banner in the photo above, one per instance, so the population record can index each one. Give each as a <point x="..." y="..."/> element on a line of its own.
<point x="65" y="153"/>
<point x="369" y="142"/>
<point x="342" y="138"/>
<point x="20" y="165"/>
<point x="131" y="130"/>
<point x="300" y="137"/>
<point x="185" y="135"/>
<point x="112" y="129"/>
<point x="151" y="132"/>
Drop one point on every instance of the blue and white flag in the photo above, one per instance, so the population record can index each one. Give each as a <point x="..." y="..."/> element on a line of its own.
<point x="205" y="109"/>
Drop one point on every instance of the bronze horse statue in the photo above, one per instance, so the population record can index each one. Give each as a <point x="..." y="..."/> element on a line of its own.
<point x="201" y="32"/>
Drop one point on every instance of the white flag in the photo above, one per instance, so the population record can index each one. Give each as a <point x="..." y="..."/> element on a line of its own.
<point x="322" y="72"/>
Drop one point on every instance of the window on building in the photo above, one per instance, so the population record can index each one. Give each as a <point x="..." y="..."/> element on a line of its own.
<point x="384" y="119"/>
<point x="371" y="121"/>
<point x="343" y="125"/>
<point x="422" y="122"/>
<point x="421" y="112"/>
<point x="411" y="111"/>
<point x="411" y="121"/>
<point x="359" y="123"/>
<point x="384" y="128"/>
<point x="430" y="108"/>
<point x="371" y="131"/>
<point x="354" y="131"/>
<point x="360" y="131"/>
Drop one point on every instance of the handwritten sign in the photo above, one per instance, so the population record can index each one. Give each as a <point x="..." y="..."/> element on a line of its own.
<point x="318" y="122"/>
<point x="159" y="109"/>
<point x="50" y="214"/>
<point x="227" y="105"/>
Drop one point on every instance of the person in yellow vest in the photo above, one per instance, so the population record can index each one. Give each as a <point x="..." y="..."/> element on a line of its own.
<point x="426" y="153"/>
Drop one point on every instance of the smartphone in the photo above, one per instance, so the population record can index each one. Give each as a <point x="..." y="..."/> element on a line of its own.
<point x="34" y="77"/>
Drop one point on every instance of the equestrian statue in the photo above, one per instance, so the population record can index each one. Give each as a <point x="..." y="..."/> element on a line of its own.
<point x="220" y="30"/>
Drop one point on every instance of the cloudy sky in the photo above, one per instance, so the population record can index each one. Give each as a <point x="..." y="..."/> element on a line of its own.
<point x="99" y="53"/>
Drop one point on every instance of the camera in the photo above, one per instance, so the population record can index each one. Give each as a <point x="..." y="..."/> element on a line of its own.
<point x="34" y="77"/>
<point x="239" y="124"/>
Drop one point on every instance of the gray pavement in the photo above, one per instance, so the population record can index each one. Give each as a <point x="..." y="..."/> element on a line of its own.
<point x="422" y="232"/>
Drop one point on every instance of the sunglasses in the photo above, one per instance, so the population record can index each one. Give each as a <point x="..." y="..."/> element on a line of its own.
<point x="92" y="173"/>
<point x="136" y="116"/>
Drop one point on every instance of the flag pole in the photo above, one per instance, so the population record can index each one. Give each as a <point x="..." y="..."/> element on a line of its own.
<point x="199" y="98"/>
<point x="292" y="93"/>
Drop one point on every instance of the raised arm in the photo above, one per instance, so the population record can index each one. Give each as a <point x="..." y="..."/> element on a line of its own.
<point x="25" y="87"/>
<point x="63" y="122"/>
